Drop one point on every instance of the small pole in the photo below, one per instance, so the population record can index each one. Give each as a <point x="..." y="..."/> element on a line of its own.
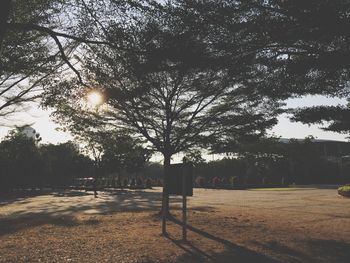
<point x="184" y="205"/>
<point x="165" y="202"/>
<point x="164" y="215"/>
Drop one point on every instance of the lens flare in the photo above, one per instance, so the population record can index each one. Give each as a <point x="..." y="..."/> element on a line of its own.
<point x="94" y="98"/>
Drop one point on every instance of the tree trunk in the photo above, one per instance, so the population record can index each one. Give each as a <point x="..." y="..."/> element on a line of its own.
<point x="96" y="176"/>
<point x="165" y="198"/>
<point x="166" y="168"/>
<point x="4" y="14"/>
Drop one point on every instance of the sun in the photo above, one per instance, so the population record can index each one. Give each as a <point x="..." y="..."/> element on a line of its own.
<point x="94" y="98"/>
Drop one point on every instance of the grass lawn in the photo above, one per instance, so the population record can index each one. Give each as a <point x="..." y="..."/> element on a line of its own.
<point x="223" y="226"/>
<point x="281" y="189"/>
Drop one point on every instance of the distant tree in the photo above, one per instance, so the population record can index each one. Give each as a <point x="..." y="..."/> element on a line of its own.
<point x="20" y="162"/>
<point x="153" y="170"/>
<point x="26" y="164"/>
<point x="122" y="152"/>
<point x="113" y="150"/>
<point x="225" y="168"/>
<point x="63" y="162"/>
<point x="305" y="161"/>
<point x="194" y="156"/>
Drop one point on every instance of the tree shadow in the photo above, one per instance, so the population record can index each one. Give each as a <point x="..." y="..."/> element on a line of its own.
<point x="314" y="250"/>
<point x="192" y="252"/>
<point x="20" y="195"/>
<point x="11" y="225"/>
<point x="70" y="193"/>
<point x="288" y="253"/>
<point x="232" y="252"/>
<point x="306" y="250"/>
<point x="330" y="250"/>
<point x="62" y="207"/>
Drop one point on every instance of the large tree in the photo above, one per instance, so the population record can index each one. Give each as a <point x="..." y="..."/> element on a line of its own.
<point x="167" y="83"/>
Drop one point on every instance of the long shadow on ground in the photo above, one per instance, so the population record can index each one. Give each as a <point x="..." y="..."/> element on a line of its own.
<point x="232" y="253"/>
<point x="61" y="207"/>
<point x="314" y="250"/>
<point x="20" y="196"/>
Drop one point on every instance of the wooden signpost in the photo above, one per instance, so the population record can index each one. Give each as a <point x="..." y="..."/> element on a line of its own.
<point x="180" y="182"/>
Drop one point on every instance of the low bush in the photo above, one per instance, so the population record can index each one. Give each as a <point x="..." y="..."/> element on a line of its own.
<point x="344" y="190"/>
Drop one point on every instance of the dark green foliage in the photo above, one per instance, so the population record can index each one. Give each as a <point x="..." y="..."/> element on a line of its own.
<point x="223" y="168"/>
<point x="336" y="118"/>
<point x="300" y="47"/>
<point x="123" y="153"/>
<point x="164" y="80"/>
<point x="24" y="164"/>
<point x="307" y="164"/>
<point x="344" y="190"/>
<point x="311" y="44"/>
<point x="20" y="162"/>
<point x="194" y="156"/>
<point x="153" y="170"/>
<point x="187" y="74"/>
<point x="27" y="57"/>
<point x="62" y="163"/>
<point x="38" y="39"/>
<point x="274" y="162"/>
<point x="234" y="182"/>
<point x="345" y="169"/>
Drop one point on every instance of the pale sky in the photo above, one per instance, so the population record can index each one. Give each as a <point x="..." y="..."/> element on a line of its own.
<point x="41" y="122"/>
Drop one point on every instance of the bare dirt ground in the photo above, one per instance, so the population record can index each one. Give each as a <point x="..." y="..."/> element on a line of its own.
<point x="225" y="226"/>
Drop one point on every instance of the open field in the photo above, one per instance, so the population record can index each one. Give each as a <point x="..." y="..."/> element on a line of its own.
<point x="225" y="226"/>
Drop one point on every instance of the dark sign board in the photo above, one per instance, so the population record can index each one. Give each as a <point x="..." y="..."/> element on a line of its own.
<point x="175" y="179"/>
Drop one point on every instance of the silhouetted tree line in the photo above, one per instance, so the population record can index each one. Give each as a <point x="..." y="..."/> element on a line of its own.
<point x="23" y="164"/>
<point x="275" y="163"/>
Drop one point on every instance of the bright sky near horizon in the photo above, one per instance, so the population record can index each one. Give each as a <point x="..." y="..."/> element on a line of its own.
<point x="42" y="123"/>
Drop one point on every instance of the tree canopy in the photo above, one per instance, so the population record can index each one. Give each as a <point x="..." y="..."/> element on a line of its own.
<point x="336" y="118"/>
<point x="167" y="83"/>
<point x="39" y="41"/>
